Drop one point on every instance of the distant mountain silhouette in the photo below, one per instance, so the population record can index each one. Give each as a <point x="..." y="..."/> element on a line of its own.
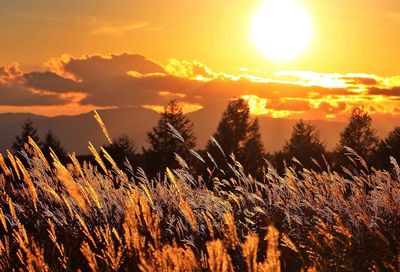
<point x="75" y="131"/>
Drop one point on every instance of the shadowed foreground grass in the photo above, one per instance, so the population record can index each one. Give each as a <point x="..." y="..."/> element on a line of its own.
<point x="56" y="217"/>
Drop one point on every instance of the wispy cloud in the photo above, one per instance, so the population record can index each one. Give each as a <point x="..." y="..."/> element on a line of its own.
<point x="117" y="29"/>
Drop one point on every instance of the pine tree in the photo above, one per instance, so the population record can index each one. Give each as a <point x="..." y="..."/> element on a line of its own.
<point x="122" y="149"/>
<point x="52" y="141"/>
<point x="359" y="135"/>
<point x="239" y="134"/>
<point x="252" y="155"/>
<point x="164" y="142"/>
<point x="304" y="144"/>
<point x="28" y="130"/>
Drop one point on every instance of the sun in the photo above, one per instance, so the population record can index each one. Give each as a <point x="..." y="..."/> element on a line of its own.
<point x="282" y="29"/>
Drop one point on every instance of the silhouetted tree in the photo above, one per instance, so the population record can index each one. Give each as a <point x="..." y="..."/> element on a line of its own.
<point x="390" y="146"/>
<point x="359" y="135"/>
<point x="239" y="134"/>
<point x="164" y="142"/>
<point x="28" y="130"/>
<point x="53" y="142"/>
<point x="304" y="144"/>
<point x="122" y="149"/>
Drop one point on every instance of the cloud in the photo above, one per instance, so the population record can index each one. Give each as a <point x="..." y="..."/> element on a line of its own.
<point x="277" y="107"/>
<point x="191" y="70"/>
<point x="15" y="92"/>
<point x="10" y="73"/>
<point x="355" y="80"/>
<point x="117" y="30"/>
<point x="134" y="80"/>
<point x="99" y="27"/>
<point x="394" y="91"/>
<point x="50" y="82"/>
<point x="332" y="108"/>
<point x="100" y="67"/>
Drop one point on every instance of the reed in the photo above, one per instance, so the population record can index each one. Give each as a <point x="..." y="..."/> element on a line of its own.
<point x="56" y="217"/>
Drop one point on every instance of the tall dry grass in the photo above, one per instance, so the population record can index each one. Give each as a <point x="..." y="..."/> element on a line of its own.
<point x="56" y="217"/>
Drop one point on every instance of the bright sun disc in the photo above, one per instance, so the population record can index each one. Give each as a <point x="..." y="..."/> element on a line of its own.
<point x="282" y="29"/>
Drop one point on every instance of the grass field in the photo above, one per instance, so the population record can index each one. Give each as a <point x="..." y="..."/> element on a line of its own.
<point x="56" y="217"/>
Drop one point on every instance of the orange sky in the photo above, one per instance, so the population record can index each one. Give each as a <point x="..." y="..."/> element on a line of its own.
<point x="350" y="37"/>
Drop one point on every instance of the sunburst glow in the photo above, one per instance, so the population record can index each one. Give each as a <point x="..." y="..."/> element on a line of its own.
<point x="282" y="29"/>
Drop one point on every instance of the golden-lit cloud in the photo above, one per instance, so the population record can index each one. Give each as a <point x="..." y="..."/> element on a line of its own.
<point x="277" y="108"/>
<point x="171" y="94"/>
<point x="191" y="70"/>
<point x="131" y="80"/>
<point x="186" y="107"/>
<point x="10" y="73"/>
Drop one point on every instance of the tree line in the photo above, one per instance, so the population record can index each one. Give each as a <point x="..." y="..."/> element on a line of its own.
<point x="237" y="144"/>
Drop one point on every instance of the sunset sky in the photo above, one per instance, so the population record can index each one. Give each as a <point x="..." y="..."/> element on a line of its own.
<point x="68" y="57"/>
